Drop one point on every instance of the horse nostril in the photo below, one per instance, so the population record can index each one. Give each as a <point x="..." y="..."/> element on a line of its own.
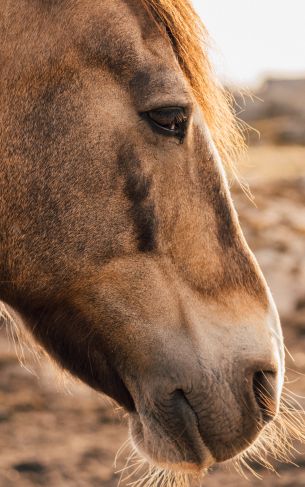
<point x="264" y="388"/>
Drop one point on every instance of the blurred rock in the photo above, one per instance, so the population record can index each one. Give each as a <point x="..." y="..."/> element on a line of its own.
<point x="276" y="110"/>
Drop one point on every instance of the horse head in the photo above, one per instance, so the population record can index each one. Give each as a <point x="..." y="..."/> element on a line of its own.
<point x="120" y="246"/>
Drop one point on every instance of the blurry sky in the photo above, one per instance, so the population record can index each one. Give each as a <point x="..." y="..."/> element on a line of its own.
<point x="255" y="38"/>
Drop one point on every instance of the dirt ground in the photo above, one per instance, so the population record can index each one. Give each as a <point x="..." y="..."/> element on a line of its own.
<point x="57" y="433"/>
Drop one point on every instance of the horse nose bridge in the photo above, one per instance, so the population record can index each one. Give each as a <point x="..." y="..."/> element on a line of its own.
<point x="227" y="316"/>
<point x="217" y="269"/>
<point x="207" y="247"/>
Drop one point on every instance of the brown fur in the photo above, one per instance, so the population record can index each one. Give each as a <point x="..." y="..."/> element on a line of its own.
<point x="120" y="247"/>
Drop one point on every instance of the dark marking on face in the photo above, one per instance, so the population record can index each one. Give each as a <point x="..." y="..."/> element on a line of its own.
<point x="49" y="4"/>
<point x="140" y="81"/>
<point x="137" y="189"/>
<point x="226" y="230"/>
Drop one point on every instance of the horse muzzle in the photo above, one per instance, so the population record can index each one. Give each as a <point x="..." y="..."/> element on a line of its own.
<point x="203" y="404"/>
<point x="223" y="413"/>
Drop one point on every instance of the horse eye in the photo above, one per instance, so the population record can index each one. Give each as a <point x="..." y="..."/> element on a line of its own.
<point x="170" y="121"/>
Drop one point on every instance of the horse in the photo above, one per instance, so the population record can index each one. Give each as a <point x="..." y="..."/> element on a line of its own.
<point x="120" y="247"/>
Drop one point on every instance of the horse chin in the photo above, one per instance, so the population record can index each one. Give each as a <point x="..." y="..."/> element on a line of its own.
<point x="163" y="453"/>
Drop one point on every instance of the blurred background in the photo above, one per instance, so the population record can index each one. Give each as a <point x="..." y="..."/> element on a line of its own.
<point x="57" y="433"/>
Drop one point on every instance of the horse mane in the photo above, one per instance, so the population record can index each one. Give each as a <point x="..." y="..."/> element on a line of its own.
<point x="190" y="41"/>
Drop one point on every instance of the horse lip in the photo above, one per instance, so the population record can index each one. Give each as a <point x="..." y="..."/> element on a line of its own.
<point x="209" y="460"/>
<point x="202" y="457"/>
